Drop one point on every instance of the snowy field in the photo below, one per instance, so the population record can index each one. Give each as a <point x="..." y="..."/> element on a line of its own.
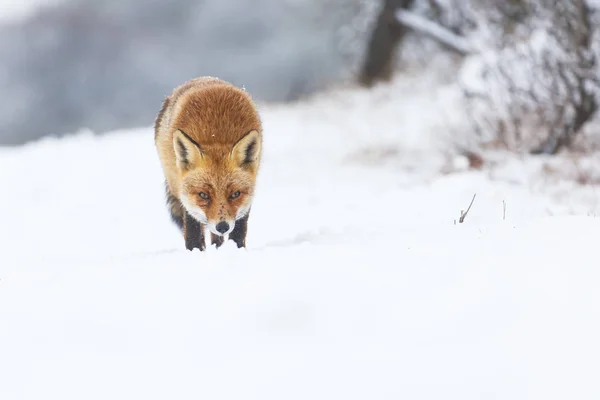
<point x="357" y="282"/>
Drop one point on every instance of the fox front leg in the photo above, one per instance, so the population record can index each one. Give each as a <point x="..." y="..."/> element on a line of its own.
<point x="216" y="240"/>
<point x="193" y="233"/>
<point x="238" y="235"/>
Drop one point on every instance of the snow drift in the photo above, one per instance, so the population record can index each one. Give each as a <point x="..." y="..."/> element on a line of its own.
<point x="357" y="281"/>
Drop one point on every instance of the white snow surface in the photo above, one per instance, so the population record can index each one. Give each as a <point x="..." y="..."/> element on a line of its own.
<point x="357" y="283"/>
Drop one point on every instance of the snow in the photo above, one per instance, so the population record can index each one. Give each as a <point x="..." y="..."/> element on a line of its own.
<point x="357" y="281"/>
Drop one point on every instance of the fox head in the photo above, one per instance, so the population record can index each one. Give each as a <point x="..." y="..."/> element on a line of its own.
<point x="217" y="179"/>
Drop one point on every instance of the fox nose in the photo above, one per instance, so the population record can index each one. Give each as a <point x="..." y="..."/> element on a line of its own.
<point x="222" y="227"/>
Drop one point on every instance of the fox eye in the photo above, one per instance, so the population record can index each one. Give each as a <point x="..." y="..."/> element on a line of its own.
<point x="204" y="196"/>
<point x="235" y="195"/>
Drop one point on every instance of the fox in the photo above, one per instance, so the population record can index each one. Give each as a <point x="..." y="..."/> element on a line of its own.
<point x="209" y="136"/>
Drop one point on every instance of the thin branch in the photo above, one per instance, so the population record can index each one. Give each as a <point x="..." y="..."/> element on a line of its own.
<point x="434" y="31"/>
<point x="463" y="215"/>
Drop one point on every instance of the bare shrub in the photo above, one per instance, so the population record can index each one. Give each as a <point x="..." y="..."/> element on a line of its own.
<point x="537" y="94"/>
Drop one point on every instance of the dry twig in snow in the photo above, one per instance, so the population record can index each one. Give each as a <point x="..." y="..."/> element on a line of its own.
<point x="463" y="214"/>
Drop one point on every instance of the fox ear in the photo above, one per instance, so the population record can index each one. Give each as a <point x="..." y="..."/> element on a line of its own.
<point x="187" y="151"/>
<point x="246" y="152"/>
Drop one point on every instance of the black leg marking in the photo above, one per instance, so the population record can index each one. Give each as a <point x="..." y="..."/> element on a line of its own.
<point x="175" y="208"/>
<point x="216" y="239"/>
<point x="193" y="233"/>
<point x="238" y="235"/>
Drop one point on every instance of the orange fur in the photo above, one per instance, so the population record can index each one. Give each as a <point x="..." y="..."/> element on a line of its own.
<point x="208" y="135"/>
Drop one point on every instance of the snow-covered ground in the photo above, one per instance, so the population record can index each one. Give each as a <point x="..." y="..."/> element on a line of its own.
<point x="357" y="283"/>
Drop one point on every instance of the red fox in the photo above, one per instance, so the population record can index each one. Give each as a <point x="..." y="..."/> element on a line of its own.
<point x="208" y="136"/>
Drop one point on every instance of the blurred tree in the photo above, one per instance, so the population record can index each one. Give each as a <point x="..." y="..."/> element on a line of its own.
<point x="535" y="83"/>
<point x="379" y="59"/>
